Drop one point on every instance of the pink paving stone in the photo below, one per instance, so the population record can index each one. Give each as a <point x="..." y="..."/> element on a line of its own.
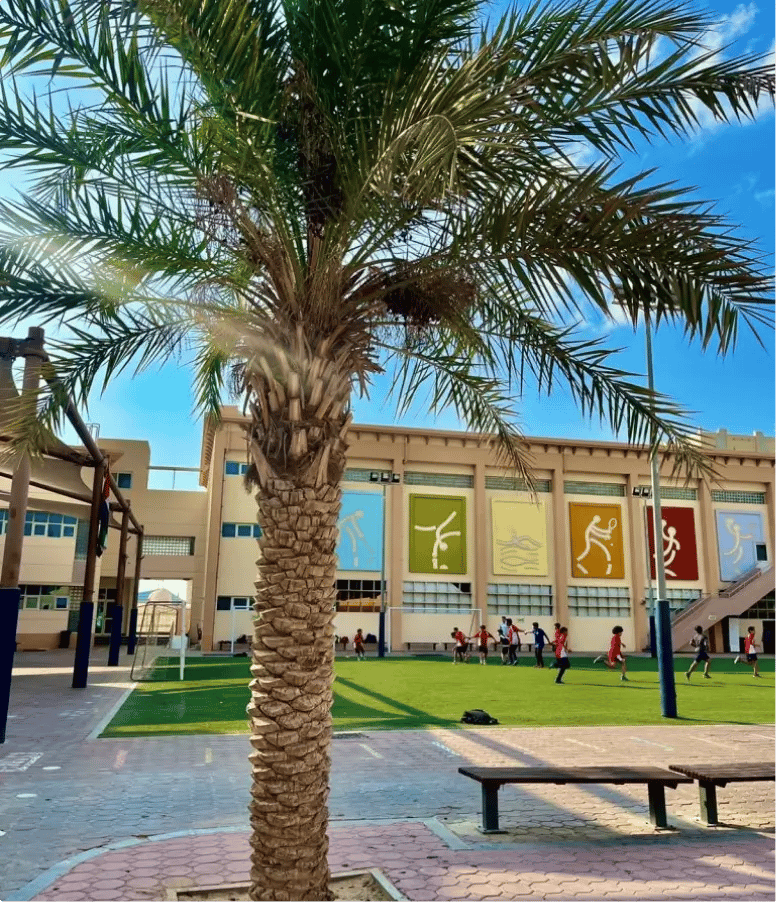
<point x="142" y="882"/>
<point x="72" y="897"/>
<point x="104" y="895"/>
<point x="108" y="884"/>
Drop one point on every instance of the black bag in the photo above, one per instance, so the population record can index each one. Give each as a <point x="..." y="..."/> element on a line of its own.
<point x="478" y="716"/>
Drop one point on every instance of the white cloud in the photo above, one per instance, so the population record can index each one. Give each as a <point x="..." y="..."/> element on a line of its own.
<point x="715" y="40"/>
<point x="766" y="198"/>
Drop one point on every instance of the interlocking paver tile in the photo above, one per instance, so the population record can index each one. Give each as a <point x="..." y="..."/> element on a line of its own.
<point x="595" y="843"/>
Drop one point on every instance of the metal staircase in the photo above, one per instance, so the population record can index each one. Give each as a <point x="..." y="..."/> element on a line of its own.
<point x="731" y="601"/>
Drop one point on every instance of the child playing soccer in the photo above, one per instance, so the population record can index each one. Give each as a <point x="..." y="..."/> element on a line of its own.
<point x="482" y="638"/>
<point x="561" y="650"/>
<point x="359" y="645"/>
<point x="750" y="645"/>
<point x="615" y="654"/>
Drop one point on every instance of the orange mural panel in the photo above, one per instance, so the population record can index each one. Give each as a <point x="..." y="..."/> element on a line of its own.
<point x="596" y="540"/>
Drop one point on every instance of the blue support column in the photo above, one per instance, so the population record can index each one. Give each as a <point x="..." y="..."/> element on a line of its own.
<point x="667" y="696"/>
<point x="83" y="644"/>
<point x="9" y="617"/>
<point x="115" y="642"/>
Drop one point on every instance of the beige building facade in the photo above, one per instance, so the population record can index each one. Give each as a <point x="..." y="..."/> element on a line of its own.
<point x="434" y="528"/>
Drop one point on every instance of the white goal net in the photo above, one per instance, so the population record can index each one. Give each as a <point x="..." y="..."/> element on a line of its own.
<point x="158" y="632"/>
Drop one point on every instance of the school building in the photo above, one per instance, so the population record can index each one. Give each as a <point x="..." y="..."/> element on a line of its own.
<point x="433" y="527"/>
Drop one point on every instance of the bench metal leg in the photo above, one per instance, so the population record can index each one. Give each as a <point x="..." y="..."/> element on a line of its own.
<point x="657" y="810"/>
<point x="490" y="816"/>
<point x="709" y="811"/>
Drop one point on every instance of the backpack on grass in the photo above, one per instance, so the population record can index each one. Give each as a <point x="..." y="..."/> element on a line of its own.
<point x="479" y="717"/>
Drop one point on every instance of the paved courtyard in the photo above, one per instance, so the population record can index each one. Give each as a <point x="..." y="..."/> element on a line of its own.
<point x="126" y="819"/>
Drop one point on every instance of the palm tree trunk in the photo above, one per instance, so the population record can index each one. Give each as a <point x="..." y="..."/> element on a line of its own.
<point x="291" y="692"/>
<point x="299" y="461"/>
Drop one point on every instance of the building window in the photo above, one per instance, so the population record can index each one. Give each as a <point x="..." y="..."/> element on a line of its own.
<point x="738" y="497"/>
<point x="44" y="598"/>
<point x="182" y="546"/>
<point x="678" y="599"/>
<point x="235" y="468"/>
<point x="441" y="480"/>
<point x="671" y="493"/>
<point x="519" y="600"/>
<point x="241" y="530"/>
<point x="764" y="609"/>
<point x="358" y="595"/>
<point x="595" y="488"/>
<point x="358" y="475"/>
<point x="43" y="523"/>
<point x="599" y="601"/>
<point x="124" y="480"/>
<point x="233" y="603"/>
<point x="437" y="598"/>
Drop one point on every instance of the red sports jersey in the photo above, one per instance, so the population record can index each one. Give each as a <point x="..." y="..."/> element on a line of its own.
<point x="358" y="640"/>
<point x="460" y="637"/>
<point x="615" y="649"/>
<point x="750" y="643"/>
<point x="482" y="636"/>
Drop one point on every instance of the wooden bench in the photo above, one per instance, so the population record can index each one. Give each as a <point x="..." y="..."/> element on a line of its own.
<point x="241" y="640"/>
<point x="709" y="776"/>
<point x="492" y="778"/>
<point x="423" y="645"/>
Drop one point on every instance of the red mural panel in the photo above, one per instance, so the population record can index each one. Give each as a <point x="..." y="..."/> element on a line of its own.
<point x="680" y="543"/>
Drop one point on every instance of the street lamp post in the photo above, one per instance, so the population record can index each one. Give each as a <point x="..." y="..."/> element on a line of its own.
<point x="643" y="491"/>
<point x="384" y="478"/>
<point x="663" y="626"/>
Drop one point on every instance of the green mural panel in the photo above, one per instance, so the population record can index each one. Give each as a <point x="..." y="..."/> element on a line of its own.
<point x="437" y="534"/>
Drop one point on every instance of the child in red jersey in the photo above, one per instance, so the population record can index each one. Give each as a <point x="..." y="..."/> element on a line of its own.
<point x="359" y="645"/>
<point x="553" y="643"/>
<point x="461" y="654"/>
<point x="615" y="654"/>
<point x="750" y="646"/>
<point x="561" y="650"/>
<point x="482" y="637"/>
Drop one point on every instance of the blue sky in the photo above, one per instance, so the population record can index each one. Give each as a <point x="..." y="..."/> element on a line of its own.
<point x="733" y="165"/>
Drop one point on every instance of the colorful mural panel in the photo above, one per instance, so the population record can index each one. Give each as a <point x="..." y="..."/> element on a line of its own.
<point x="596" y="541"/>
<point x="739" y="532"/>
<point x="436" y="534"/>
<point x="679" y="543"/>
<point x="360" y="525"/>
<point x="519" y="546"/>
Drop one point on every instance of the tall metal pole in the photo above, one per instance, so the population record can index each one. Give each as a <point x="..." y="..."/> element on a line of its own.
<point x="663" y="625"/>
<point x="651" y="598"/>
<point x="14" y="537"/>
<point x="87" y="610"/>
<point x="382" y="612"/>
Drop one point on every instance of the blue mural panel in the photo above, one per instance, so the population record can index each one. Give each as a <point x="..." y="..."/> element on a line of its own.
<point x="360" y="525"/>
<point x="738" y="533"/>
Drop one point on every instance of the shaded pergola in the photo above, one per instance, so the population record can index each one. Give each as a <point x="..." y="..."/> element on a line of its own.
<point x="56" y="468"/>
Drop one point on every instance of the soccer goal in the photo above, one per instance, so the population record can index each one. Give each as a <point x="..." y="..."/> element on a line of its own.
<point x="428" y="624"/>
<point x="161" y="632"/>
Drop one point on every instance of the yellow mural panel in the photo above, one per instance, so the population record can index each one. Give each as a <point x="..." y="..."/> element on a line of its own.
<point x="519" y="545"/>
<point x="596" y="540"/>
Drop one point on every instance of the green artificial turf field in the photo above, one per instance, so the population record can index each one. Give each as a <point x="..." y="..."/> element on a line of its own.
<point x="414" y="693"/>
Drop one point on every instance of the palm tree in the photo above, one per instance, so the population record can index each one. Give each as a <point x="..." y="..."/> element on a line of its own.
<point x="301" y="194"/>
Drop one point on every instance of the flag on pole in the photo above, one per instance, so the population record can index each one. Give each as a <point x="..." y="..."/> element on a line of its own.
<point x="105" y="515"/>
